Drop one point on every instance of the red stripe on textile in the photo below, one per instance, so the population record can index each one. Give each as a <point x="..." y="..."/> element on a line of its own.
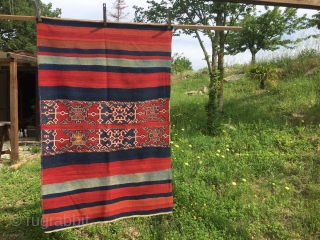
<point x="51" y="78"/>
<point x="107" y="210"/>
<point x="96" y="196"/>
<point x="102" y="45"/>
<point x="96" y="170"/>
<point x="104" y="56"/>
<point x="93" y="30"/>
<point x="101" y="37"/>
<point x="86" y="33"/>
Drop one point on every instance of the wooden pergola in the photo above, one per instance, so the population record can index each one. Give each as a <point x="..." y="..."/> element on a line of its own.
<point x="308" y="4"/>
<point x="13" y="60"/>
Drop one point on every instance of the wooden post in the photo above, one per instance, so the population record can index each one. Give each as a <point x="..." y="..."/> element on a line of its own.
<point x="14" y="112"/>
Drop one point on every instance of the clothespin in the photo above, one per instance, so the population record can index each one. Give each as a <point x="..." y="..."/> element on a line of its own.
<point x="104" y="15"/>
<point x="37" y="9"/>
<point x="169" y="18"/>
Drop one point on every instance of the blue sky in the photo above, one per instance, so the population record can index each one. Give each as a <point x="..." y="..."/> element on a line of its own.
<point x="92" y="10"/>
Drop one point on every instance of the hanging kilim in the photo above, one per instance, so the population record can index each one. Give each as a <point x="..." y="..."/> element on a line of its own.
<point x="104" y="100"/>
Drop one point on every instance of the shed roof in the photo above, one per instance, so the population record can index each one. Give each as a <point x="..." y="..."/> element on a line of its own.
<point x="19" y="57"/>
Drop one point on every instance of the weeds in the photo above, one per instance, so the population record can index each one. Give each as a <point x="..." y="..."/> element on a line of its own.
<point x="35" y="148"/>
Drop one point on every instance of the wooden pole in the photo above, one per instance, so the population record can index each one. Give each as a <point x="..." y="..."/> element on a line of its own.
<point x="16" y="17"/>
<point x="14" y="112"/>
<point x="176" y="26"/>
<point x="307" y="4"/>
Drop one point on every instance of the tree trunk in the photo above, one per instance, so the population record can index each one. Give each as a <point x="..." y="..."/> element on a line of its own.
<point x="221" y="63"/>
<point x="262" y="84"/>
<point x="213" y="87"/>
<point x="253" y="58"/>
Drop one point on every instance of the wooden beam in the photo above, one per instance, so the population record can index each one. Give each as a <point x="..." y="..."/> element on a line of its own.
<point x="308" y="4"/>
<point x="16" y="17"/>
<point x="5" y="60"/>
<point x="176" y="26"/>
<point x="14" y="129"/>
<point x="200" y="27"/>
<point x="22" y="58"/>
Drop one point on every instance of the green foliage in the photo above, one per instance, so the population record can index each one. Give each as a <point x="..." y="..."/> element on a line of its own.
<point x="35" y="148"/>
<point x="212" y="107"/>
<point x="315" y="20"/>
<point x="299" y="65"/>
<point x="263" y="73"/>
<point x="180" y="63"/>
<point x="265" y="31"/>
<point x="203" y="13"/>
<point x="21" y="35"/>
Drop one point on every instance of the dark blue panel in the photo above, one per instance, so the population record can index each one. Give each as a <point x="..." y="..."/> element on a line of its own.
<point x="99" y="68"/>
<point x="103" y="94"/>
<point x="102" y="51"/>
<point x="66" y="159"/>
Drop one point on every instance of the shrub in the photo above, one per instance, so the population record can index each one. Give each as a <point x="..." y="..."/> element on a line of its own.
<point x="263" y="73"/>
<point x="35" y="148"/>
<point x="180" y="63"/>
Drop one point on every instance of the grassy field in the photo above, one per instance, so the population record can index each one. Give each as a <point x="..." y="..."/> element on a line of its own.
<point x="259" y="178"/>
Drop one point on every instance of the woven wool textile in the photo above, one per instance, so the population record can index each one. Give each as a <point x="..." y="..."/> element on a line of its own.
<point x="104" y="100"/>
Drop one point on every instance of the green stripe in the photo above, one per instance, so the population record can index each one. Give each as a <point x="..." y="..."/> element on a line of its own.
<point x="107" y="181"/>
<point x="119" y="62"/>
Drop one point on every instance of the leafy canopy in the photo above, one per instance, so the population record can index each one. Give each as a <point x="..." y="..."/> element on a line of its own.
<point x="265" y="31"/>
<point x="21" y="35"/>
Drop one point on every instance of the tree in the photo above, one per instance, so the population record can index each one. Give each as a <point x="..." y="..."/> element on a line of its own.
<point x="204" y="13"/>
<point x="119" y="6"/>
<point x="21" y="35"/>
<point x="265" y="31"/>
<point x="315" y="20"/>
<point x="180" y="63"/>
